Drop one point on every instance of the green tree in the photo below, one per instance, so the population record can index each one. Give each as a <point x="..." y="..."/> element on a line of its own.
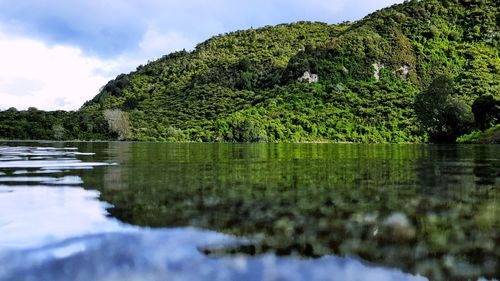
<point x="442" y="113"/>
<point x="486" y="111"/>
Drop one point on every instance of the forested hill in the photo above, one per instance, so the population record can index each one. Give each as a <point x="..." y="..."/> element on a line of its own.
<point x="413" y="72"/>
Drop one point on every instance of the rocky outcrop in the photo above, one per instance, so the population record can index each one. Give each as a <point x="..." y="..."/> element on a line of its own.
<point x="377" y="67"/>
<point x="118" y="122"/>
<point x="403" y="71"/>
<point x="309" y="77"/>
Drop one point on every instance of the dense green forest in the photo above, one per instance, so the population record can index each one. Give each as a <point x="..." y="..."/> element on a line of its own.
<point x="414" y="72"/>
<point x="54" y="125"/>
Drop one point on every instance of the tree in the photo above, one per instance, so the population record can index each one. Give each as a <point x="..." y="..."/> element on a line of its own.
<point x="486" y="111"/>
<point x="442" y="112"/>
<point x="59" y="131"/>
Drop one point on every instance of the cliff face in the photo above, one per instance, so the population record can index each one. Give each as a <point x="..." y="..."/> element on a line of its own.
<point x="363" y="77"/>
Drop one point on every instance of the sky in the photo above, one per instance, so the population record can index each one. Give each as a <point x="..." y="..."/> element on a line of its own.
<point x="57" y="54"/>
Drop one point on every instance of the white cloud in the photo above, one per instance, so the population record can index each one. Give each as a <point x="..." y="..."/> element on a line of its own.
<point x="157" y="44"/>
<point x="49" y="78"/>
<point x="21" y="86"/>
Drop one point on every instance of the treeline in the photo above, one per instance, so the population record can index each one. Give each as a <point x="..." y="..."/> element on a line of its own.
<point x="34" y="124"/>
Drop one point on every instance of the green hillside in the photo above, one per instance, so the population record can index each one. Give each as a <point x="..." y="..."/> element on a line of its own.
<point x="408" y="73"/>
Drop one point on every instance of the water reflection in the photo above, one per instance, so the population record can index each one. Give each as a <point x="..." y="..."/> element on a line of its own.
<point x="52" y="229"/>
<point x="39" y="205"/>
<point x="174" y="254"/>
<point x="423" y="209"/>
<point x="34" y="215"/>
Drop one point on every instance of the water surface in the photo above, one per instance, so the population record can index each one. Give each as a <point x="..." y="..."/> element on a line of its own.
<point x="348" y="210"/>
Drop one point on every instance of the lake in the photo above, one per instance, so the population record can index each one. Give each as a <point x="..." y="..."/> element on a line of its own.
<point x="158" y="211"/>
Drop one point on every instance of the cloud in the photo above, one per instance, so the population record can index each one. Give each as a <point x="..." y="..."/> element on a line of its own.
<point x="155" y="42"/>
<point x="46" y="77"/>
<point x="102" y="28"/>
<point x="19" y="86"/>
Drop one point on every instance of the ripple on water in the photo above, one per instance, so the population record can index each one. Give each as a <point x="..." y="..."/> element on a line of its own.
<point x="66" y="180"/>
